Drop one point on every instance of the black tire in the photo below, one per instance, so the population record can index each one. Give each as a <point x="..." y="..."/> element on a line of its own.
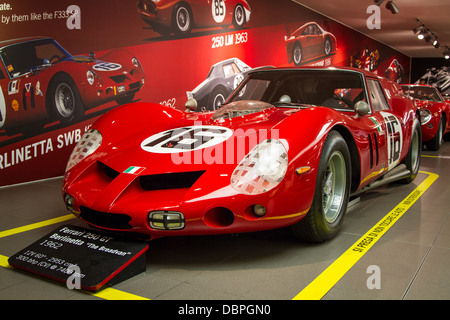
<point x="217" y="99"/>
<point x="239" y="17"/>
<point x="65" y="101"/>
<point x="182" y="20"/>
<point x="325" y="217"/>
<point x="327" y="47"/>
<point x="412" y="160"/>
<point x="436" y="143"/>
<point x="297" y="54"/>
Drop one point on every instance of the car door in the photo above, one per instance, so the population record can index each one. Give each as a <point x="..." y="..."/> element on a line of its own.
<point x="388" y="138"/>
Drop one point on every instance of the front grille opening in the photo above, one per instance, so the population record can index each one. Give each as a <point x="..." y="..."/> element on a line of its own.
<point x="106" y="220"/>
<point x="180" y="180"/>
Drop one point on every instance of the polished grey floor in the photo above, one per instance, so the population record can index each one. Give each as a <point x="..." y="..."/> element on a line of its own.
<point x="413" y="257"/>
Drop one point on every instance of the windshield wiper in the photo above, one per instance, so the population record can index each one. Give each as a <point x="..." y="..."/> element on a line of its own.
<point x="280" y="104"/>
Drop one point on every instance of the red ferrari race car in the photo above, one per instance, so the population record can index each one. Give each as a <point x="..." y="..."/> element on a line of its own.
<point x="287" y="149"/>
<point x="308" y="42"/>
<point x="434" y="111"/>
<point x="180" y="17"/>
<point x="39" y="79"/>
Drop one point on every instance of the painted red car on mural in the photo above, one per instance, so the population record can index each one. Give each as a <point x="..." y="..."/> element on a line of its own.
<point x="40" y="80"/>
<point x="288" y="148"/>
<point x="180" y="17"/>
<point x="308" y="42"/>
<point x="434" y="112"/>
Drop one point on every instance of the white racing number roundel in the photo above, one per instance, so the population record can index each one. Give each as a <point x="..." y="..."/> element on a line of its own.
<point x="394" y="138"/>
<point x="218" y="10"/>
<point x="107" y="66"/>
<point x="186" y="139"/>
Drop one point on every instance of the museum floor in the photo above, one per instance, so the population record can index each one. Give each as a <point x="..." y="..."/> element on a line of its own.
<point x="409" y="258"/>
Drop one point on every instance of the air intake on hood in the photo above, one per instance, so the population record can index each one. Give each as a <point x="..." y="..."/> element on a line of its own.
<point x="165" y="181"/>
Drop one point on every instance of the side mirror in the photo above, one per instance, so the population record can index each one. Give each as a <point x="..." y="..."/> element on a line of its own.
<point x="191" y="105"/>
<point x="362" y="108"/>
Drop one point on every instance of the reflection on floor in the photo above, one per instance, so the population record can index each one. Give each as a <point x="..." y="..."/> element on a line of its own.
<point x="412" y="257"/>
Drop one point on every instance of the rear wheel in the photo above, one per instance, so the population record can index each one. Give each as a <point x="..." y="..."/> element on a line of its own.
<point x="239" y="17"/>
<point x="330" y="201"/>
<point x="412" y="160"/>
<point x="297" y="54"/>
<point x="66" y="104"/>
<point x="182" y="19"/>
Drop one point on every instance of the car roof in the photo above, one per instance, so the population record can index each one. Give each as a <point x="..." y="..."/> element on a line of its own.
<point x="6" y="43"/>
<point x="362" y="71"/>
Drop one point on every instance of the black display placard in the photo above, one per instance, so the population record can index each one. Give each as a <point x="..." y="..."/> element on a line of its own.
<point x="82" y="258"/>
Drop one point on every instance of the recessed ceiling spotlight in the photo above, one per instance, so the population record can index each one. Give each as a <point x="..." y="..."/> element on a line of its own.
<point x="392" y="6"/>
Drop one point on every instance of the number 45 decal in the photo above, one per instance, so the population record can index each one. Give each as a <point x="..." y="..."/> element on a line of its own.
<point x="186" y="139"/>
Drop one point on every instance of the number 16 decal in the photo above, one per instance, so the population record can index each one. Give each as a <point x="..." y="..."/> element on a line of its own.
<point x="394" y="138"/>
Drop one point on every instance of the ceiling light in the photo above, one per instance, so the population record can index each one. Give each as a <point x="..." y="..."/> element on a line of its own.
<point x="447" y="53"/>
<point x="392" y="6"/>
<point x="418" y="29"/>
<point x="422" y="33"/>
<point x="436" y="43"/>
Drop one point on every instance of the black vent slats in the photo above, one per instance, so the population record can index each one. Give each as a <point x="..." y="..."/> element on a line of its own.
<point x="164" y="181"/>
<point x="106" y="220"/>
<point x="108" y="171"/>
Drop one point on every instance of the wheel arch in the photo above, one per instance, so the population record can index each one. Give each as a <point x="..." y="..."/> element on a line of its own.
<point x="354" y="156"/>
<point x="48" y="96"/>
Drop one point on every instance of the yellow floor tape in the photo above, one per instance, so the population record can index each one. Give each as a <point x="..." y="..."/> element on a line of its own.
<point x="32" y="226"/>
<point x="108" y="293"/>
<point x="317" y="289"/>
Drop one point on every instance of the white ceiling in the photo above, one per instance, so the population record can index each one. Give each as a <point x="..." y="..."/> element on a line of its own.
<point x="396" y="29"/>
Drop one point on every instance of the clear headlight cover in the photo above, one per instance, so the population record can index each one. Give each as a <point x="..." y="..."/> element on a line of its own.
<point x="90" y="142"/>
<point x="425" y="116"/>
<point x="262" y="169"/>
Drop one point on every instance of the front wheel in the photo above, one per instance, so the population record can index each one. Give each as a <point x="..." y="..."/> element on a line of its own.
<point x="330" y="201"/>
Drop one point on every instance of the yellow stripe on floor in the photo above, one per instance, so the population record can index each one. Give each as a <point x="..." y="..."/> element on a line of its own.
<point x="317" y="289"/>
<point x="32" y="226"/>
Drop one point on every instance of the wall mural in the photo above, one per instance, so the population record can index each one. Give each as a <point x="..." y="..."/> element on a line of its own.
<point x="64" y="64"/>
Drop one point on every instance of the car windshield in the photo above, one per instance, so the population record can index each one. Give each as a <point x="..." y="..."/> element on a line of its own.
<point x="337" y="89"/>
<point x="28" y="56"/>
<point x="422" y="93"/>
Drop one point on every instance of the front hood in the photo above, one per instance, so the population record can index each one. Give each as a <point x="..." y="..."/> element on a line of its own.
<point x="99" y="66"/>
<point x="193" y="143"/>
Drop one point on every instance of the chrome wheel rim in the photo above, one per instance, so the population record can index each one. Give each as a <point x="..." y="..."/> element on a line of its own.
<point x="64" y="100"/>
<point x="334" y="186"/>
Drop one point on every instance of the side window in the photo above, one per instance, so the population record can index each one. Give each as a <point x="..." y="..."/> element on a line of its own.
<point x="377" y="97"/>
<point x="2" y="76"/>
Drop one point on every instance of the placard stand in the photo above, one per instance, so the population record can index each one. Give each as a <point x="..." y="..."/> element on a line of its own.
<point x="82" y="258"/>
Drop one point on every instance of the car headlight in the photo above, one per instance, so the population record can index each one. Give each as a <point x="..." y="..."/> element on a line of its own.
<point x="90" y="77"/>
<point x="135" y="62"/>
<point x="262" y="169"/>
<point x="90" y="142"/>
<point x="425" y="116"/>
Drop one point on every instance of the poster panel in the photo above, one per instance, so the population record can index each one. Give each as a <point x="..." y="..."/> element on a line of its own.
<point x="63" y="64"/>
